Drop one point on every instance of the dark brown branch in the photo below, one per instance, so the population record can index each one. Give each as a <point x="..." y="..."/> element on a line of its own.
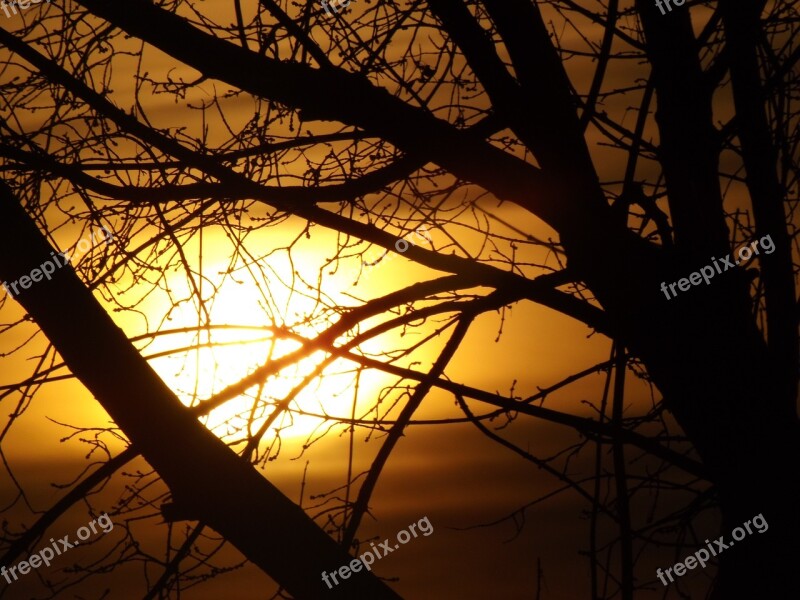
<point x="24" y="544"/>
<point x="201" y="471"/>
<point x="689" y="144"/>
<point x="349" y="99"/>
<point x="741" y="23"/>
<point x="278" y="195"/>
<point x="420" y="392"/>
<point x="620" y="477"/>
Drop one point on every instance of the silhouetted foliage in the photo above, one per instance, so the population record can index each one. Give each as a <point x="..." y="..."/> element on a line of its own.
<point x="568" y="154"/>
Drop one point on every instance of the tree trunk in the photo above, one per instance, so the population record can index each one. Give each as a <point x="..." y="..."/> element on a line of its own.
<point x="708" y="358"/>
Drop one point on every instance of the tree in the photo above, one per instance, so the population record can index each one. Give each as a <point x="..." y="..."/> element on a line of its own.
<point x="380" y="119"/>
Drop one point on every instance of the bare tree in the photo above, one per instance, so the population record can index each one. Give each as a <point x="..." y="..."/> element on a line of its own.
<point x="639" y="145"/>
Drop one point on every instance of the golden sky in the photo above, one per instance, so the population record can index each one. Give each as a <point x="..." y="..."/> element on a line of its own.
<point x="449" y="472"/>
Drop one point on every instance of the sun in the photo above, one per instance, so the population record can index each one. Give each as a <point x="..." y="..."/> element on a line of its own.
<point x="259" y="315"/>
<point x="204" y="362"/>
<point x="234" y="337"/>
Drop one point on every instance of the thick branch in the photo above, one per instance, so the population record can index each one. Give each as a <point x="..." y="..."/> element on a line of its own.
<point x="350" y="99"/>
<point x="215" y="485"/>
<point x="689" y="150"/>
<point x="741" y="21"/>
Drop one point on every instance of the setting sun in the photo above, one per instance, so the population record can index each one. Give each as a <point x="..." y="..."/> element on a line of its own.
<point x="522" y="271"/>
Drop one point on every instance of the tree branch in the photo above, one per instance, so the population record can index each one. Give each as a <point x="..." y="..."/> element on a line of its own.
<point x="202" y="473"/>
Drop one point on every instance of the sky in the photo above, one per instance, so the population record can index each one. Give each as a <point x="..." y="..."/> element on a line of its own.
<point x="464" y="483"/>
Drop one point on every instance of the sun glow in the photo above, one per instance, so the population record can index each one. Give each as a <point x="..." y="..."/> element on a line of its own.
<point x="236" y="336"/>
<point x="219" y="356"/>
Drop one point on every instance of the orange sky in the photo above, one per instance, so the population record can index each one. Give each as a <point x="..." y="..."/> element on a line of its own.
<point x="450" y="473"/>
